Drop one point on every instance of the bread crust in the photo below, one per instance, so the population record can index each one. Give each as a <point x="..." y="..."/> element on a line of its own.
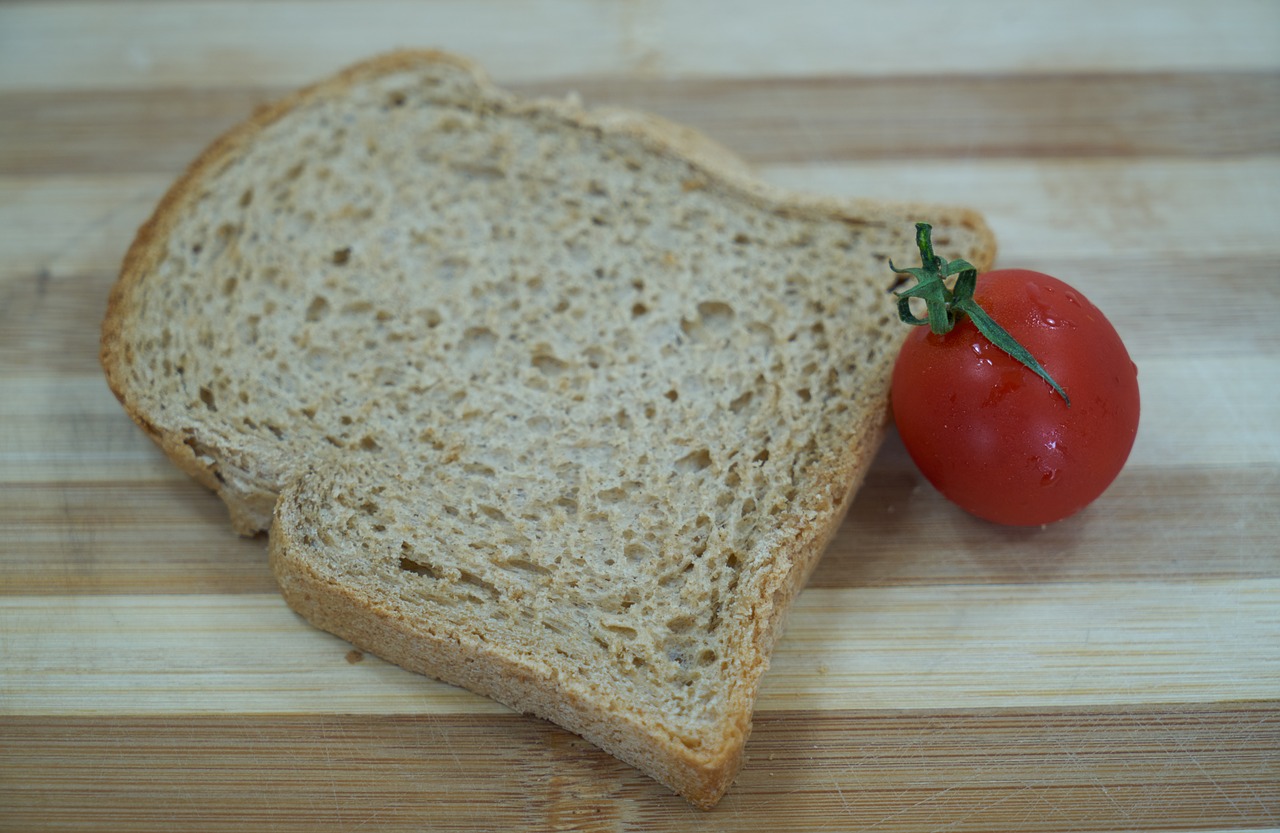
<point x="259" y="492"/>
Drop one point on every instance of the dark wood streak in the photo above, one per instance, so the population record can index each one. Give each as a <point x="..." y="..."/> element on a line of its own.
<point x="1155" y="767"/>
<point x="172" y="536"/>
<point x="766" y="120"/>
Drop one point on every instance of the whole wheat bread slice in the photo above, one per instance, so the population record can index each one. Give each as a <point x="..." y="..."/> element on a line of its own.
<point x="558" y="405"/>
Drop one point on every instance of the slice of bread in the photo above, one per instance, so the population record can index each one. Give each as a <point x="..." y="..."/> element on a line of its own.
<point x="555" y="404"/>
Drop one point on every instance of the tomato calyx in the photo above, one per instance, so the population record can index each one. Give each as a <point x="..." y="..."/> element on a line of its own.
<point x="947" y="305"/>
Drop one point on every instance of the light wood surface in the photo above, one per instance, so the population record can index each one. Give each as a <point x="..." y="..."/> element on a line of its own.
<point x="1117" y="671"/>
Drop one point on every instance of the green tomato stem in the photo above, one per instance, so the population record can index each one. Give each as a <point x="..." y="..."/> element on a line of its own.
<point x="946" y="306"/>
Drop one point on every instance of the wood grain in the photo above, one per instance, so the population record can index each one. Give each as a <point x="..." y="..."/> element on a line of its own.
<point x="1143" y="213"/>
<point x="765" y="120"/>
<point x="1159" y="768"/>
<point x="169" y="535"/>
<point x="1117" y="671"/>
<point x="905" y="647"/>
<point x="219" y="43"/>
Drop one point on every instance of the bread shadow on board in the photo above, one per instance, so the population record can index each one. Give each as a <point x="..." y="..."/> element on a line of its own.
<point x="558" y="405"/>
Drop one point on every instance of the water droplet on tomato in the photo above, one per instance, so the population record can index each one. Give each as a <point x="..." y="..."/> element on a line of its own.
<point x="1048" y="473"/>
<point x="1044" y="306"/>
<point x="980" y="349"/>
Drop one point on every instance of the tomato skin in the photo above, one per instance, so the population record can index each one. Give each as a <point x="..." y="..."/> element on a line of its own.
<point x="993" y="437"/>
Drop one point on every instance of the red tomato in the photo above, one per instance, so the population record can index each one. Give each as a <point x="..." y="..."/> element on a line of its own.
<point x="992" y="436"/>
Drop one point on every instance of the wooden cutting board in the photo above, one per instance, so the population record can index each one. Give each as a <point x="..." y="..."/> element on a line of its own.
<point x="1117" y="671"/>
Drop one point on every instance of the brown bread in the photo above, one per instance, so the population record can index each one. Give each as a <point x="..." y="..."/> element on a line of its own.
<point x="558" y="405"/>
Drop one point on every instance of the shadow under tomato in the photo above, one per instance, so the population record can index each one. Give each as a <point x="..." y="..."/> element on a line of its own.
<point x="902" y="531"/>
